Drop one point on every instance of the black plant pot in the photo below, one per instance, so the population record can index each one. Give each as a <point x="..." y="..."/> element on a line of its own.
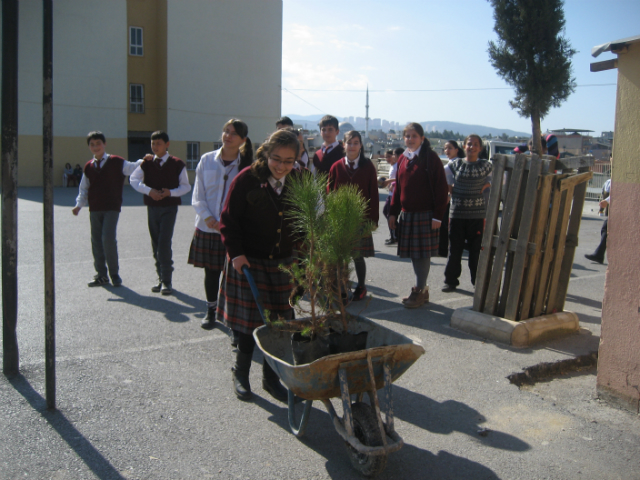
<point x="308" y="349"/>
<point x="347" y="342"/>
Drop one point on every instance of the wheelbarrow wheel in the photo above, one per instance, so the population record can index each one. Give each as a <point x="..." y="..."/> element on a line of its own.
<point x="365" y="429"/>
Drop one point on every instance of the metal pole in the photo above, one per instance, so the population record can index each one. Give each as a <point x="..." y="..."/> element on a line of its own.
<point x="11" y="363"/>
<point x="47" y="204"/>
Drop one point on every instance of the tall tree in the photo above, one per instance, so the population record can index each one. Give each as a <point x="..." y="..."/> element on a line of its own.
<point x="532" y="56"/>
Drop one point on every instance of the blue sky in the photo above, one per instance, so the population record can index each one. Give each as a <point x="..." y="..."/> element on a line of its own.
<point x="435" y="45"/>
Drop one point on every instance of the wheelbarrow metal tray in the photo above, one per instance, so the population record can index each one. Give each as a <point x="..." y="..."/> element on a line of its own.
<point x="319" y="380"/>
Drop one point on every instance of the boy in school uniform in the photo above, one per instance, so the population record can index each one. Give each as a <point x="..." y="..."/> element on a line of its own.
<point x="101" y="188"/>
<point x="332" y="150"/>
<point x="163" y="181"/>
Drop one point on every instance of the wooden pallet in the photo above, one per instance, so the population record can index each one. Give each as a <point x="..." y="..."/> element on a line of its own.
<point x="527" y="252"/>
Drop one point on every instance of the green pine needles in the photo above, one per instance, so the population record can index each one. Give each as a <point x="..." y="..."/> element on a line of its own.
<point x="330" y="226"/>
<point x="532" y="56"/>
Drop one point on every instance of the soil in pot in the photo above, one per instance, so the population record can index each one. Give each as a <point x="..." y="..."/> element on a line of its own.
<point x="347" y="342"/>
<point x="308" y="349"/>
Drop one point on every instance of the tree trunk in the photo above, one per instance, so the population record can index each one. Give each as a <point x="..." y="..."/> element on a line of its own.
<point x="535" y="131"/>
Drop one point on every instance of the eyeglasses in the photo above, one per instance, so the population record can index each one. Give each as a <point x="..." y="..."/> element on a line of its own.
<point x="287" y="163"/>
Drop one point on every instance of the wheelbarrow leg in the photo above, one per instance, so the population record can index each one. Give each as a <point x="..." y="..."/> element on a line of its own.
<point x="298" y="428"/>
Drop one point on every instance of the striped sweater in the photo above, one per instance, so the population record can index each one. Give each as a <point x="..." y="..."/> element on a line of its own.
<point x="467" y="200"/>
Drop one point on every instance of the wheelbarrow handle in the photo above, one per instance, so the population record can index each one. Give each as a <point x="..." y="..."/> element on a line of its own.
<point x="255" y="291"/>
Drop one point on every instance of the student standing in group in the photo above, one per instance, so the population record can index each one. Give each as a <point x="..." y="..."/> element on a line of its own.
<point x="467" y="178"/>
<point x="303" y="157"/>
<point x="392" y="159"/>
<point x="163" y="181"/>
<point x="453" y="151"/>
<point x="257" y="233"/>
<point x="420" y="199"/>
<point x="101" y="187"/>
<point x="356" y="169"/>
<point x="214" y="174"/>
<point x="332" y="150"/>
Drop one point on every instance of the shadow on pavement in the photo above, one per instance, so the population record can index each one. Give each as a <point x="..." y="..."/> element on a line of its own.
<point x="172" y="311"/>
<point x="448" y="417"/>
<point x="92" y="458"/>
<point x="584" y="301"/>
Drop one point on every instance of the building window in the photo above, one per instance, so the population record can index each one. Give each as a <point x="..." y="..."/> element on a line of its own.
<point x="193" y="155"/>
<point x="136" y="98"/>
<point x="135" y="41"/>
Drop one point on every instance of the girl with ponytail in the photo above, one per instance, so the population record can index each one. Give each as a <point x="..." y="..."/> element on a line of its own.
<point x="257" y="233"/>
<point x="420" y="199"/>
<point x="214" y="174"/>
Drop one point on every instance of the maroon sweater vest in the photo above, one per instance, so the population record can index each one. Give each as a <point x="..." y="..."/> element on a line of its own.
<point x="364" y="177"/>
<point x="165" y="176"/>
<point x="324" y="162"/>
<point x="418" y="190"/>
<point x="105" y="184"/>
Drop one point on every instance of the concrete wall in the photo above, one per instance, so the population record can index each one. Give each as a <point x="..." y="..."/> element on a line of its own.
<point x="224" y="60"/>
<point x="150" y="69"/>
<point x="619" y="355"/>
<point x="90" y="83"/>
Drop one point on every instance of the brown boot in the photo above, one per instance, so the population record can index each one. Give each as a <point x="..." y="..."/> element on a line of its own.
<point x="412" y="296"/>
<point x="421" y="297"/>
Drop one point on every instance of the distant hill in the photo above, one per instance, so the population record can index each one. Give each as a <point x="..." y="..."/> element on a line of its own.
<point x="440" y="126"/>
<point x="466" y="129"/>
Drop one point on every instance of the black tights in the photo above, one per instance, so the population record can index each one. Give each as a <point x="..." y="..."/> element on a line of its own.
<point x="246" y="342"/>
<point x="361" y="270"/>
<point x="211" y="284"/>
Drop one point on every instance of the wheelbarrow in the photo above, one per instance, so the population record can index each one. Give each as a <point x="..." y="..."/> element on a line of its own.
<point x="369" y="439"/>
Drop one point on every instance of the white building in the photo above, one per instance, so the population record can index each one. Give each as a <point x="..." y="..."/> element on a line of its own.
<point x="129" y="67"/>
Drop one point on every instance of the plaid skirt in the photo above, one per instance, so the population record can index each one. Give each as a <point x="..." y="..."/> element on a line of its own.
<point x="236" y="306"/>
<point x="366" y="247"/>
<point x="207" y="250"/>
<point x="417" y="239"/>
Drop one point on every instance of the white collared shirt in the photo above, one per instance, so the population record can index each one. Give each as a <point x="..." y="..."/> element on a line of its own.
<point x="355" y="162"/>
<point x="210" y="188"/>
<point x="137" y="180"/>
<point x="408" y="154"/>
<point x="83" y="195"/>
<point x="272" y="182"/>
<point x="328" y="148"/>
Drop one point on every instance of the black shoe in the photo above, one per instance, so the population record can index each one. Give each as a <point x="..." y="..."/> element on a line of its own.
<point x="271" y="384"/>
<point x="166" y="288"/>
<point x="240" y="372"/>
<point x="359" y="294"/>
<point x="448" y="288"/>
<point x="209" y="322"/>
<point x="593" y="258"/>
<point x="99" y="282"/>
<point x="391" y="241"/>
<point x="156" y="288"/>
<point x="116" y="281"/>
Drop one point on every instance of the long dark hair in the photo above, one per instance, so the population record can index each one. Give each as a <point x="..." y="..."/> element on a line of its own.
<point x="279" y="138"/>
<point x="461" y="153"/>
<point x="420" y="131"/>
<point x="246" y="149"/>
<point x="355" y="134"/>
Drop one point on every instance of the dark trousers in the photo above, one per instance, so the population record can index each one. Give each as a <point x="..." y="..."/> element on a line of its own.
<point x="161" y="221"/>
<point x="443" y="246"/>
<point x="103" y="243"/>
<point x="461" y="230"/>
<point x="602" y="248"/>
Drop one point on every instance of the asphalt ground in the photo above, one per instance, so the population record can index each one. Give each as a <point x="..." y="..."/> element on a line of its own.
<point x="144" y="393"/>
